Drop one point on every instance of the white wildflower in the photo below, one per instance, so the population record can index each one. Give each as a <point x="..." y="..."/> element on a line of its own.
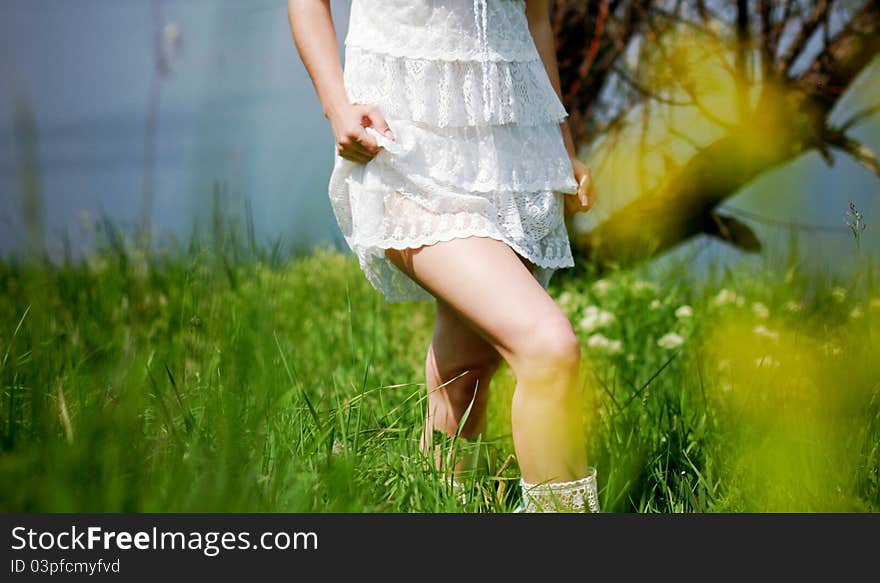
<point x="857" y="313"/>
<point x="724" y="297"/>
<point x="760" y="310"/>
<point x="838" y="293"/>
<point x="600" y="342"/>
<point x="684" y="311"/>
<point x="655" y="304"/>
<point x="565" y="299"/>
<point x="602" y="286"/>
<point x="644" y="285"/>
<point x="762" y="330"/>
<point x="595" y="318"/>
<point x="793" y="306"/>
<point x="670" y="340"/>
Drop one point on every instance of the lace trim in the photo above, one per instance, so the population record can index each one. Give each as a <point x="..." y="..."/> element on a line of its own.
<point x="575" y="496"/>
<point x="453" y="93"/>
<point x="441" y="30"/>
<point x="377" y="207"/>
<point x="476" y="159"/>
<point x="400" y="219"/>
<point x="400" y="222"/>
<point x="396" y="286"/>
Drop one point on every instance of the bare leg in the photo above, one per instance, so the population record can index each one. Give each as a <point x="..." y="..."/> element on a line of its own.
<point x="462" y="362"/>
<point x="458" y="369"/>
<point x="492" y="290"/>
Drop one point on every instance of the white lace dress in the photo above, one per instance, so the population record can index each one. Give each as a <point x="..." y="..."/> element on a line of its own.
<point x="478" y="149"/>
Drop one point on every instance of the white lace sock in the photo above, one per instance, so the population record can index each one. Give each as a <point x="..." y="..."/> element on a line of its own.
<point x="575" y="496"/>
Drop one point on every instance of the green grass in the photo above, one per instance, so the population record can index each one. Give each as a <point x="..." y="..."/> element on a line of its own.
<point x="208" y="381"/>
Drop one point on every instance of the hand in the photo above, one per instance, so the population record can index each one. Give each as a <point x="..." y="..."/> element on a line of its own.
<point x="583" y="200"/>
<point x="352" y="141"/>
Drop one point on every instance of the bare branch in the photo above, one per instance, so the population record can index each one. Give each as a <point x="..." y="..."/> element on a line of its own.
<point x="644" y="91"/>
<point x="743" y="47"/>
<point x="860" y="152"/>
<point x="587" y="63"/>
<point x="731" y="230"/>
<point x="820" y="12"/>
<point x="769" y="39"/>
<point x="859" y="116"/>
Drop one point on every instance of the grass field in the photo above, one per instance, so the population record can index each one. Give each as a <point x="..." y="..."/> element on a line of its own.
<point x="210" y="380"/>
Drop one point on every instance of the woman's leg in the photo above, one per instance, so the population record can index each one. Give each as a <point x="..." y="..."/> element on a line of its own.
<point x="491" y="290"/>
<point x="459" y="367"/>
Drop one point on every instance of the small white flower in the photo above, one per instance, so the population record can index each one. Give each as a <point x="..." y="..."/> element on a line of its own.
<point x="684" y="311"/>
<point x="644" y="285"/>
<point x="857" y="313"/>
<point x="793" y="306"/>
<point x="602" y="286"/>
<point x="762" y="330"/>
<point x="565" y="298"/>
<point x="724" y="297"/>
<point x="670" y="340"/>
<point x="655" y="304"/>
<point x="838" y="293"/>
<point x="600" y="342"/>
<point x="760" y="310"/>
<point x="595" y="318"/>
<point x="338" y="447"/>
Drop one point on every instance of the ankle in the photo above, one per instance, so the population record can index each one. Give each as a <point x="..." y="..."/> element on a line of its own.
<point x="580" y="495"/>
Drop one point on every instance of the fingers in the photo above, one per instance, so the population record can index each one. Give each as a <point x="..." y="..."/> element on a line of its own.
<point x="584" y="189"/>
<point x="377" y="120"/>
<point x="587" y="189"/>
<point x="358" y="146"/>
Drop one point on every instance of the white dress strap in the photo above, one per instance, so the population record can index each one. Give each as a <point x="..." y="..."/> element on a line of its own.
<point x="481" y="16"/>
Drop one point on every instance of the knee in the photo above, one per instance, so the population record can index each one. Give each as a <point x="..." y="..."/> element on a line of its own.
<point x="549" y="350"/>
<point x="465" y="374"/>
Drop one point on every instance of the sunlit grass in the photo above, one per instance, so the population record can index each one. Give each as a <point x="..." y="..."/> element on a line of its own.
<point x="213" y="382"/>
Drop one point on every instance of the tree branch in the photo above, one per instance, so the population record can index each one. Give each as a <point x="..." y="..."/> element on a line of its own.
<point x="800" y="41"/>
<point x="860" y="152"/>
<point x="794" y="121"/>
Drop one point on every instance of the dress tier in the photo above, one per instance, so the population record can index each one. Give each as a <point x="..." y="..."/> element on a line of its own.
<point x="478" y="149"/>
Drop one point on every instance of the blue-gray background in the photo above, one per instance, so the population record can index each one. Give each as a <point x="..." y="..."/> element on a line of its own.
<point x="239" y="108"/>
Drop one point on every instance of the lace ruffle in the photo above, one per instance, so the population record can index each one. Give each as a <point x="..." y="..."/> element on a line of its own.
<point x="476" y="159"/>
<point x="575" y="496"/>
<point x="388" y="211"/>
<point x="393" y="217"/>
<point x="452" y="93"/>
<point x="446" y="30"/>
